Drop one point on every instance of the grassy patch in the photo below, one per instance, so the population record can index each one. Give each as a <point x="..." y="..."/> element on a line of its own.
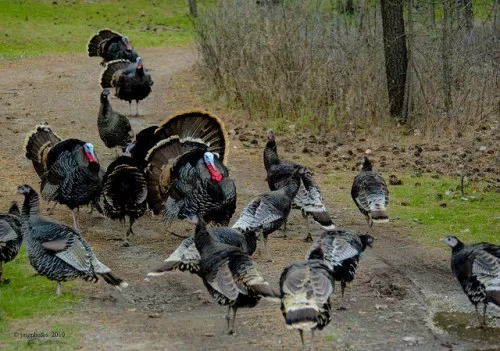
<point x="32" y="297"/>
<point x="35" y="27"/>
<point x="435" y="208"/>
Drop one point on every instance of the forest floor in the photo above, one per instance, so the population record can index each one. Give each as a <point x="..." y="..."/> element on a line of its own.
<point x="404" y="295"/>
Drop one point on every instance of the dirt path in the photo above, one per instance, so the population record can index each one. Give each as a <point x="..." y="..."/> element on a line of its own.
<point x="399" y="286"/>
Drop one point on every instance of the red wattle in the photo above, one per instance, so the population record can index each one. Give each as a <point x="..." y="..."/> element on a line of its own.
<point x="214" y="173"/>
<point x="90" y="157"/>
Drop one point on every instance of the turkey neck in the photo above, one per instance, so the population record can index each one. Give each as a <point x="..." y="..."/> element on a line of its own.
<point x="458" y="247"/>
<point x="105" y="107"/>
<point x="270" y="154"/>
<point x="139" y="72"/>
<point x="30" y="206"/>
<point x="201" y="237"/>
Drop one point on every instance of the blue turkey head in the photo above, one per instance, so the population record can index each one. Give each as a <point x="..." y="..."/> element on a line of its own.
<point x="127" y="43"/>
<point x="451" y="241"/>
<point x="208" y="158"/>
<point x="88" y="148"/>
<point x="139" y="63"/>
<point x="24" y="189"/>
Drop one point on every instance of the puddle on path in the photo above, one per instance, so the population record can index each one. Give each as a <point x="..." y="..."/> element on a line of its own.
<point x="466" y="326"/>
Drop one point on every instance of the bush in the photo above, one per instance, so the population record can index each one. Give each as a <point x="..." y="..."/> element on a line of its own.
<point x="317" y="66"/>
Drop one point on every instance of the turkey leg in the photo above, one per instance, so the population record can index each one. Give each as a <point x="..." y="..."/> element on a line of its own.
<point x="342" y="289"/>
<point x="76" y="221"/>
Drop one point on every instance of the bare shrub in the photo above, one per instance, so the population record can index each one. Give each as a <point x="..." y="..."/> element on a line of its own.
<point x="313" y="65"/>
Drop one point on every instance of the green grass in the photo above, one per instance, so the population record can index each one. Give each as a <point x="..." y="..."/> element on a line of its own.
<point x="473" y="217"/>
<point x="35" y="27"/>
<point x="33" y="297"/>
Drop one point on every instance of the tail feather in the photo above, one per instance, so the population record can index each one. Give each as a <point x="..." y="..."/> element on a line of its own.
<point x="167" y="266"/>
<point x="95" y="41"/>
<point x="379" y="216"/>
<point x="38" y="144"/>
<point x="14" y="209"/>
<point x="109" y="71"/>
<point x="200" y="125"/>
<point x="124" y="190"/>
<point x="265" y="290"/>
<point x="115" y="281"/>
<point x="323" y="219"/>
<point x="302" y="318"/>
<point x="161" y="159"/>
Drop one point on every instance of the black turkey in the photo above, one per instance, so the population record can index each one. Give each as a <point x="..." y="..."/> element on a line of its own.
<point x="10" y="237"/>
<point x="270" y="210"/>
<point x="477" y="268"/>
<point x="125" y="192"/>
<point x="69" y="170"/>
<point x="308" y="198"/>
<point x="187" y="258"/>
<point x="114" y="128"/>
<point x="369" y="192"/>
<point x="186" y="173"/>
<point x="130" y="80"/>
<point x="305" y="294"/>
<point x="111" y="46"/>
<point x="144" y="140"/>
<point x="56" y="251"/>
<point x="229" y="274"/>
<point x="342" y="249"/>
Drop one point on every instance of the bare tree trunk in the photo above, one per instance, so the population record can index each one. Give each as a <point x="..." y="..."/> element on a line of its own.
<point x="396" y="59"/>
<point x="407" y="105"/>
<point x="193" y="8"/>
<point x="446" y="55"/>
<point x="362" y="11"/>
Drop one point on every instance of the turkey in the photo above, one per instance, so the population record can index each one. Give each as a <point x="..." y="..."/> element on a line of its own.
<point x="342" y="249"/>
<point x="229" y="274"/>
<point x="56" y="251"/>
<point x="144" y="140"/>
<point x="130" y="80"/>
<point x="369" y="192"/>
<point x="305" y="294"/>
<point x="111" y="46"/>
<point x="186" y="174"/>
<point x="69" y="170"/>
<point x="308" y="198"/>
<point x="10" y="237"/>
<point x="477" y="268"/>
<point x="270" y="210"/>
<point x="114" y="128"/>
<point x="187" y="258"/>
<point x="125" y="192"/>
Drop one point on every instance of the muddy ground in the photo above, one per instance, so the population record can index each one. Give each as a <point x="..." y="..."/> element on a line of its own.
<point x="400" y="286"/>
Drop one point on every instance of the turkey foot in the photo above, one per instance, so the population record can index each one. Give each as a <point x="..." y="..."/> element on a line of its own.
<point x="308" y="237"/>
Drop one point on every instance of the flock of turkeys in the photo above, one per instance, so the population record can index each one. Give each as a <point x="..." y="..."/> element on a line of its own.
<point x="178" y="169"/>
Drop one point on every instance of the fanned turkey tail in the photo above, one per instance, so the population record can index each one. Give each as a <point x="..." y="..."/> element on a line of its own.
<point x="96" y="41"/>
<point x="160" y="159"/>
<point x="111" y="68"/>
<point x="38" y="144"/>
<point x="197" y="125"/>
<point x="124" y="188"/>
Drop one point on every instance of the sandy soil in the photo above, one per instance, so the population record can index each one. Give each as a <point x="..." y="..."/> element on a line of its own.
<point x="399" y="287"/>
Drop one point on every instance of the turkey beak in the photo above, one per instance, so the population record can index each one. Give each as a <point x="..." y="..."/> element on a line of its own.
<point x="443" y="240"/>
